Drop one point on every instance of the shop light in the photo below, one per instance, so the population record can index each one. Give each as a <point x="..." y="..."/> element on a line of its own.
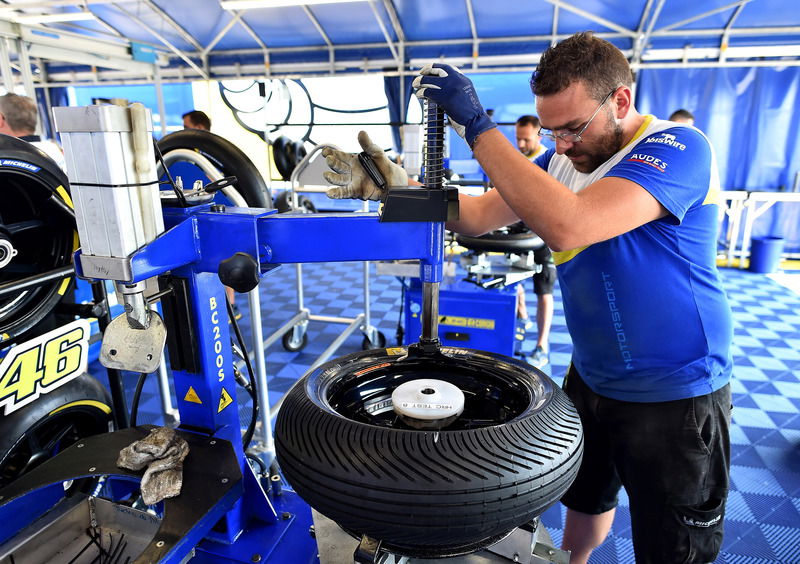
<point x="253" y="4"/>
<point x="53" y="18"/>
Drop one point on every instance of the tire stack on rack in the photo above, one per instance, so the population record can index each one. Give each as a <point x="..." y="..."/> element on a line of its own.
<point x="287" y="155"/>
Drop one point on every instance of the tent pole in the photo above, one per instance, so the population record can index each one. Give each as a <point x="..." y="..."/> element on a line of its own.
<point x="27" y="80"/>
<point x="5" y="65"/>
<point x="162" y="112"/>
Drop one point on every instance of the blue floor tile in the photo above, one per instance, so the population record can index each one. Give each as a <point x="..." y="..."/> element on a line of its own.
<point x="763" y="521"/>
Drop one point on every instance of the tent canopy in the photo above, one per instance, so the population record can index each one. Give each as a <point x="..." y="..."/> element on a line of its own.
<point x="200" y="39"/>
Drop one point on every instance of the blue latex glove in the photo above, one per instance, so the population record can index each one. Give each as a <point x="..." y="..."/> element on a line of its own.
<point x="455" y="94"/>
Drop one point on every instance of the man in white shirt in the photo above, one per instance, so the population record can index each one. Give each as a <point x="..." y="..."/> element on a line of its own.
<point x="529" y="144"/>
<point x="18" y="118"/>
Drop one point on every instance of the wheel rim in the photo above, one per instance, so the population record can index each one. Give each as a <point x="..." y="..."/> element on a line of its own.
<point x="491" y="397"/>
<point x="42" y="234"/>
<point x="44" y="440"/>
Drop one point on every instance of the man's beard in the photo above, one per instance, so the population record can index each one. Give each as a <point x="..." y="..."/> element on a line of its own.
<point x="606" y="146"/>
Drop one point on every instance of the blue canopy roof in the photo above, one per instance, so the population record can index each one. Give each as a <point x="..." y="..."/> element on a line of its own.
<point x="199" y="39"/>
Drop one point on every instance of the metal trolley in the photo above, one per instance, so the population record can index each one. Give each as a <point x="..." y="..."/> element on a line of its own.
<point x="293" y="333"/>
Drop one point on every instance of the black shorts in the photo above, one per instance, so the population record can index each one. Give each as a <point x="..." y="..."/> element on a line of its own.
<point x="545" y="279"/>
<point x="673" y="459"/>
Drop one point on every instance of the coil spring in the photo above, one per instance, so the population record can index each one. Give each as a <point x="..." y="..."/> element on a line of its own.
<point x="433" y="158"/>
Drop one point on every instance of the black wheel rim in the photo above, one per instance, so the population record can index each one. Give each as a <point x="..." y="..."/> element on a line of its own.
<point x="44" y="440"/>
<point x="43" y="235"/>
<point x="491" y="397"/>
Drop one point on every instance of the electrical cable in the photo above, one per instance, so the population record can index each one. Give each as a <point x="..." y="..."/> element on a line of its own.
<point x="258" y="461"/>
<point x="136" y="396"/>
<point x="400" y="332"/>
<point x="251" y="428"/>
<point x="171" y="181"/>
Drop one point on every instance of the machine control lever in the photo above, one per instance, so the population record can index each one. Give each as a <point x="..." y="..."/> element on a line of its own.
<point x="217" y="185"/>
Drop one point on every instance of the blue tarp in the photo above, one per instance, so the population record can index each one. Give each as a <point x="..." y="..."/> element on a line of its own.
<point x="750" y="115"/>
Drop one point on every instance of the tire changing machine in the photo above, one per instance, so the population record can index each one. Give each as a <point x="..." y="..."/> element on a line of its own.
<point x="77" y="506"/>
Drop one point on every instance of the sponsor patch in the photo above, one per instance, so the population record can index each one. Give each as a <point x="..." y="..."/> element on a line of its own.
<point x="666" y="139"/>
<point x="649" y="160"/>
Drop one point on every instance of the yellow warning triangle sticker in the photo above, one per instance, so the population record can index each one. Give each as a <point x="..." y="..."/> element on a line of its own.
<point x="191" y="396"/>
<point x="224" y="400"/>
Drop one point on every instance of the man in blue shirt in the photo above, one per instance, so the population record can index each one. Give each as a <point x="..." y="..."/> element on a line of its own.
<point x="628" y="205"/>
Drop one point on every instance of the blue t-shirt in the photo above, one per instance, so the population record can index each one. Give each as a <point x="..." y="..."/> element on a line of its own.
<point x="646" y="310"/>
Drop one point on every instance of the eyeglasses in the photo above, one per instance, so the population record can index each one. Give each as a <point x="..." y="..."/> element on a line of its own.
<point x="570" y="137"/>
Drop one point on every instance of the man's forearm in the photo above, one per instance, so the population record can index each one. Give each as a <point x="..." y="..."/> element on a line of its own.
<point x="563" y="219"/>
<point x="481" y="214"/>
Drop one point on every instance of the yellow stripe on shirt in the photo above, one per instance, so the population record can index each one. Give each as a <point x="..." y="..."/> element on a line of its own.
<point x="560" y="257"/>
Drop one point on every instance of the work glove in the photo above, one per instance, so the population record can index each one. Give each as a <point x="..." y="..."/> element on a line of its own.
<point x="455" y="94"/>
<point x="161" y="453"/>
<point x="351" y="179"/>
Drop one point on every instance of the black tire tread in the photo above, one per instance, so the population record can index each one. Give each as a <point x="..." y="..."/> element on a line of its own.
<point x="401" y="485"/>
<point x="501" y="242"/>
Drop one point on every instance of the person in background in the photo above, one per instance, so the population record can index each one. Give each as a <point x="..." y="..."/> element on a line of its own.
<point x="627" y="204"/>
<point x="529" y="144"/>
<point x="19" y="117"/>
<point x="528" y="141"/>
<point x="196" y="120"/>
<point x="682" y="116"/>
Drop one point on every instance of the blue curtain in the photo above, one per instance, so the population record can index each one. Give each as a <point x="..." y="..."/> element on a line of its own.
<point x="391" y="85"/>
<point x="58" y="97"/>
<point x="750" y="115"/>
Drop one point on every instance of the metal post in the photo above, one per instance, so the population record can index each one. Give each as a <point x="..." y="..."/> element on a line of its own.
<point x="48" y="103"/>
<point x="5" y="65"/>
<point x="434" y="177"/>
<point x="27" y="79"/>
<point x="167" y="408"/>
<point x="299" y="273"/>
<point x="368" y="330"/>
<point x="430" y="311"/>
<point x="100" y="296"/>
<point x="267" y="446"/>
<point x="162" y="112"/>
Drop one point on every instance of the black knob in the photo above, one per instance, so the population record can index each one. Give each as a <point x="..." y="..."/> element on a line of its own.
<point x="239" y="272"/>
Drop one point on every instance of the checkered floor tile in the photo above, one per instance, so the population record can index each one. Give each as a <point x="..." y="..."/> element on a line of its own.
<point x="763" y="520"/>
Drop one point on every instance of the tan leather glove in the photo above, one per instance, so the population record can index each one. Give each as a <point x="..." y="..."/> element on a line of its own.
<point x="350" y="178"/>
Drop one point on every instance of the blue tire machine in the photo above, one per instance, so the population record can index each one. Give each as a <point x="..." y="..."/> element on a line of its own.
<point x="179" y="257"/>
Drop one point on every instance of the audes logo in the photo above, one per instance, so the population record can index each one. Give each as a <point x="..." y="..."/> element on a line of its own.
<point x="649" y="160"/>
